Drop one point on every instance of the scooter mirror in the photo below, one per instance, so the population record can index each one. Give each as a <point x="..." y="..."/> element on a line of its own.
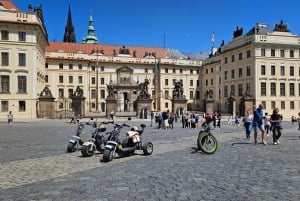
<point x="129" y="118"/>
<point x="143" y="125"/>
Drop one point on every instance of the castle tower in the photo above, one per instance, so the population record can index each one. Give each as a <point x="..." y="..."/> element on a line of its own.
<point x="91" y="38"/>
<point x="69" y="35"/>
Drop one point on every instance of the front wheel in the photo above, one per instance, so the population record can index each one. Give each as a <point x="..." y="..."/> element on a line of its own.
<point x="71" y="147"/>
<point x="207" y="143"/>
<point x="107" y="155"/>
<point x="87" y="151"/>
<point x="147" y="148"/>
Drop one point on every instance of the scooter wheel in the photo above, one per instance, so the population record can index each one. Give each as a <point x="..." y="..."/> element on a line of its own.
<point x="147" y="148"/>
<point x="87" y="151"/>
<point x="107" y="155"/>
<point x="70" y="147"/>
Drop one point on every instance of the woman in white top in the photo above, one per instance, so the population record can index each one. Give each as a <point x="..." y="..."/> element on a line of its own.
<point x="248" y="123"/>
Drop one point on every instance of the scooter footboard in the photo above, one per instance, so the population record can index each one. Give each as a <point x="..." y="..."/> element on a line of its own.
<point x="111" y="145"/>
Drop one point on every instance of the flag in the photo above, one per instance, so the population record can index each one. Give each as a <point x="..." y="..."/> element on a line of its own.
<point x="213" y="38"/>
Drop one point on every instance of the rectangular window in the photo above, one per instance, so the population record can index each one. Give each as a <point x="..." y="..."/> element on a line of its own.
<point x="166" y="105"/>
<point x="80" y="79"/>
<point x="232" y="90"/>
<point x="263" y="89"/>
<point x="166" y="82"/>
<point x="225" y="60"/>
<point x="191" y="94"/>
<point x="167" y="94"/>
<point x="146" y="70"/>
<point x="212" y="82"/>
<point x="273" y="89"/>
<point x="263" y="70"/>
<point x="22" y="106"/>
<point x="225" y="75"/>
<point x="191" y="83"/>
<point x="46" y="78"/>
<point x="281" y="53"/>
<point x="212" y="70"/>
<point x="263" y="52"/>
<point x="79" y="66"/>
<point x="248" y="54"/>
<point x="180" y="71"/>
<point x="273" y="70"/>
<point x="232" y="58"/>
<point x="232" y="73"/>
<point x="197" y="94"/>
<point x="240" y="89"/>
<point x="61" y="93"/>
<point x="198" y="72"/>
<point x="282" y="89"/>
<point x="61" y="79"/>
<point x="46" y="65"/>
<point x="292" y="105"/>
<point x="292" y="89"/>
<point x="292" y="71"/>
<point x="191" y="71"/>
<point x="4" y="59"/>
<point x="166" y="70"/>
<point x="93" y="80"/>
<point x="70" y="79"/>
<point x="291" y="53"/>
<point x="240" y="56"/>
<point x="272" y="52"/>
<point x="22" y="36"/>
<point x="93" y="93"/>
<point x="282" y="105"/>
<point x="61" y="66"/>
<point x="102" y="80"/>
<point x="273" y="105"/>
<point x="225" y="91"/>
<point x="4" y="83"/>
<point x="4" y="106"/>
<point x="22" y="84"/>
<point x="22" y="59"/>
<point x="4" y="35"/>
<point x="174" y="70"/>
<point x="206" y="71"/>
<point x="240" y="72"/>
<point x="248" y="71"/>
<point x="70" y="66"/>
<point x="198" y="83"/>
<point x="102" y="68"/>
<point x="70" y="93"/>
<point x="102" y="94"/>
<point x="206" y="82"/>
<point x="282" y="71"/>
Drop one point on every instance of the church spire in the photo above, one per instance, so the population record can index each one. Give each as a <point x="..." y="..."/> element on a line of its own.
<point x="91" y="37"/>
<point x="69" y="35"/>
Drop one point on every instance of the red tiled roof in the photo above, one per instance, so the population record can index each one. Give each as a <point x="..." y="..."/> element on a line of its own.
<point x="8" y="4"/>
<point x="107" y="49"/>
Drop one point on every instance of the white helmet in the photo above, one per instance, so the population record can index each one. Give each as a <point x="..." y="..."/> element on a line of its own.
<point x="134" y="128"/>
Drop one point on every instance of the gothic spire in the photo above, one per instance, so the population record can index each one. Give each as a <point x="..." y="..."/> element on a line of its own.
<point x="69" y="35"/>
<point x="91" y="37"/>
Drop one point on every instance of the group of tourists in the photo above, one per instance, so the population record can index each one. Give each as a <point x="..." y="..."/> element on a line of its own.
<point x="258" y="121"/>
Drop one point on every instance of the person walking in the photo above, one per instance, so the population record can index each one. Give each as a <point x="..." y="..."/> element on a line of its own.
<point x="267" y="123"/>
<point x="258" y="123"/>
<point x="10" y="118"/>
<point x="248" y="124"/>
<point x="275" y="120"/>
<point x="72" y="118"/>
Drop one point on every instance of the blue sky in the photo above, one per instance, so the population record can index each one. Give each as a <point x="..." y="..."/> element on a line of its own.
<point x="183" y="24"/>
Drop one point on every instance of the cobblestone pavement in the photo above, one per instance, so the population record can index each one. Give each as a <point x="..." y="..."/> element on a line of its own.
<point x="35" y="166"/>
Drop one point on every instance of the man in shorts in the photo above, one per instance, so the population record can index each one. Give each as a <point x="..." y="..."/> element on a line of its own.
<point x="258" y="123"/>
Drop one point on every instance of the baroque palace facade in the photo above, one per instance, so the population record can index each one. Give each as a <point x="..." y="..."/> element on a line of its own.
<point x="53" y="79"/>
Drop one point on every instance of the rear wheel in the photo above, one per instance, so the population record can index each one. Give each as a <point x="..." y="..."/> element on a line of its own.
<point x="207" y="143"/>
<point x="147" y="148"/>
<point x="87" y="151"/>
<point x="107" y="155"/>
<point x="70" y="147"/>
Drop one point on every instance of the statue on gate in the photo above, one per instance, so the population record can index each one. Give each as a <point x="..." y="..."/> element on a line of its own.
<point x="143" y="90"/>
<point x="178" y="90"/>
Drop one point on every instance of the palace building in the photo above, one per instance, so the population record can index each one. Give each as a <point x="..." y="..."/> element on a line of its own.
<point x="54" y="79"/>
